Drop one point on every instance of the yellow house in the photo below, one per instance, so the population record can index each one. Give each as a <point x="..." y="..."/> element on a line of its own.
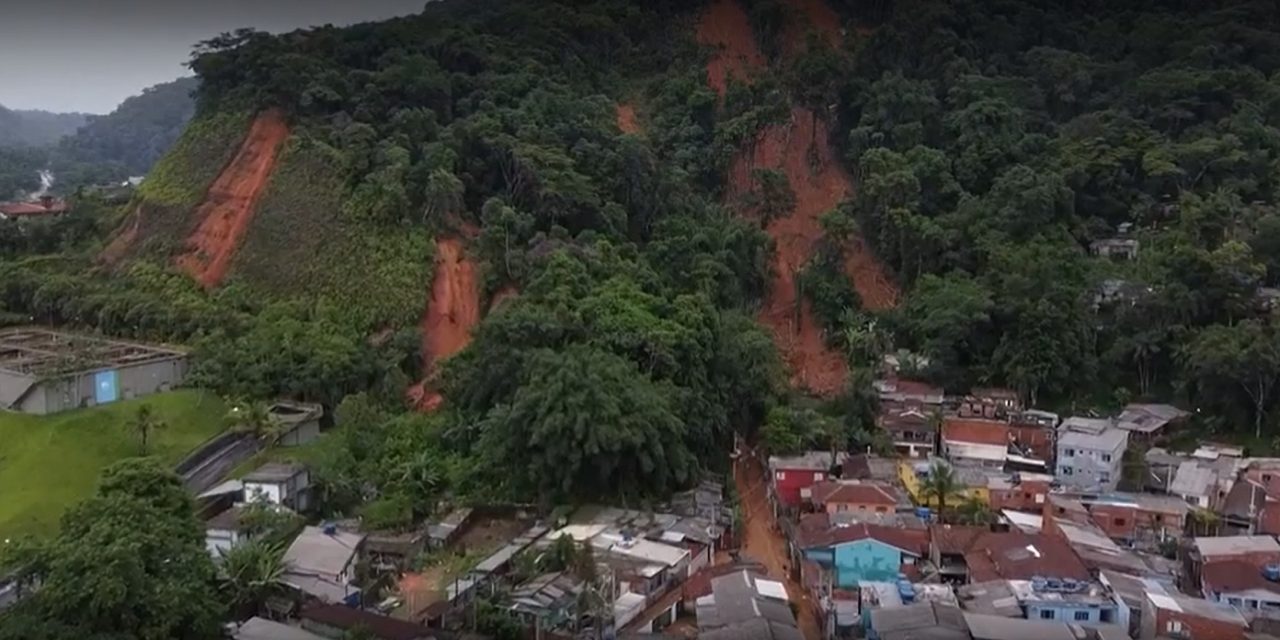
<point x="974" y="482"/>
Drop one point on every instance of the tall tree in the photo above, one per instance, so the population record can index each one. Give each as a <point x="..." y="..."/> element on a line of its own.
<point x="1246" y="355"/>
<point x="144" y="424"/>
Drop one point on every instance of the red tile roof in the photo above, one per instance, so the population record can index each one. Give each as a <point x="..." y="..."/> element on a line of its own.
<point x="913" y="387"/>
<point x="911" y="541"/>
<point x="1022" y="556"/>
<point x="855" y="492"/>
<point x="975" y="431"/>
<point x="23" y="209"/>
<point x="955" y="539"/>
<point x="1230" y="576"/>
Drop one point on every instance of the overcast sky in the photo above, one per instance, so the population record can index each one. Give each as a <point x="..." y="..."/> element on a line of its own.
<point x="88" y="55"/>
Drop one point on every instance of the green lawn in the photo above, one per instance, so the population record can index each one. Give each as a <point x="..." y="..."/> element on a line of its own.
<point x="48" y="464"/>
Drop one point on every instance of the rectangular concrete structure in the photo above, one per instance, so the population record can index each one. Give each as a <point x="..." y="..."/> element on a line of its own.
<point x="44" y="371"/>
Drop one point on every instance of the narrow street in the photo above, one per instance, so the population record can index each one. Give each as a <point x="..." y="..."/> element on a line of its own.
<point x="762" y="540"/>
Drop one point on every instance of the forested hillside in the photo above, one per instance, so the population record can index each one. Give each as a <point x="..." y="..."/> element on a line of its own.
<point x="19" y="128"/>
<point x="593" y="241"/>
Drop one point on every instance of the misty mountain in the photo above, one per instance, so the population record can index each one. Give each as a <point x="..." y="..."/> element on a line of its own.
<point x="137" y="133"/>
<point x="20" y="128"/>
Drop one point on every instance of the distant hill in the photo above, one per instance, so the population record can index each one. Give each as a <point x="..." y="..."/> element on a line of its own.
<point x="36" y="128"/>
<point x="137" y="133"/>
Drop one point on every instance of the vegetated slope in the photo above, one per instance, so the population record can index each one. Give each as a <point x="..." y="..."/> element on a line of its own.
<point x="817" y="188"/>
<point x="301" y="245"/>
<point x="453" y="311"/>
<point x="228" y="208"/>
<point x="19" y="128"/>
<point x="52" y="462"/>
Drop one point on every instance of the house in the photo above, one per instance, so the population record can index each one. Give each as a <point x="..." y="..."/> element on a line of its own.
<point x="863" y="551"/>
<point x="321" y="563"/>
<point x="987" y="627"/>
<point x="337" y="622"/>
<point x="1094" y="549"/>
<point x="1248" y="509"/>
<point x="976" y="442"/>
<point x="225" y="530"/>
<point x="1242" y="584"/>
<point x="548" y="601"/>
<point x="1148" y="422"/>
<point x="1205" y="483"/>
<point x="909" y="391"/>
<point x="43" y="371"/>
<point x="865" y="466"/>
<point x="45" y="207"/>
<point x="1131" y="594"/>
<point x="911" y="428"/>
<point x="1130" y="517"/>
<point x="286" y="484"/>
<point x="1090" y="454"/>
<point x="1078" y="602"/>
<point x="1257" y="551"/>
<point x="1020" y="556"/>
<point x="1019" y="491"/>
<point x="948" y="545"/>
<point x="791" y="476"/>
<point x="922" y="621"/>
<point x="746" y="605"/>
<point x="450" y="528"/>
<point x="1113" y="248"/>
<point x="394" y="550"/>
<point x="1169" y="614"/>
<point x="262" y="629"/>
<point x="858" y="496"/>
<point x="972" y="480"/>
<point x="299" y="422"/>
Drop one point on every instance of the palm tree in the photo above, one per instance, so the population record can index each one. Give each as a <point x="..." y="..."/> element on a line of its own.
<point x="973" y="511"/>
<point x="940" y="485"/>
<point x="254" y="418"/>
<point x="1204" y="522"/>
<point x="251" y="575"/>
<point x="145" y="423"/>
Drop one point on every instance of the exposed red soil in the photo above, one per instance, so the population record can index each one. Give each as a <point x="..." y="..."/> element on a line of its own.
<point x="818" y="189"/>
<point x="877" y="290"/>
<point x="815" y="15"/>
<point x="725" y="26"/>
<point x="229" y="205"/>
<point x="762" y="540"/>
<point x="452" y="312"/>
<point x="627" y="122"/>
<point x="119" y="245"/>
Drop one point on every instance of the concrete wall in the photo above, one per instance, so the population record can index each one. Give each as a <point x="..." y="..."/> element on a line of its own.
<point x="76" y="391"/>
<point x="1089" y="471"/>
<point x="861" y="560"/>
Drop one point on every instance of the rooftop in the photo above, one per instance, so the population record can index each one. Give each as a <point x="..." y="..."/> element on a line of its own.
<point x="315" y="550"/>
<point x="926" y="620"/>
<point x="1198" y="607"/>
<point x="275" y="472"/>
<point x="1090" y="436"/>
<point x="1022" y="556"/>
<point x="1235" y="545"/>
<point x="989" y="627"/>
<point x="864" y="466"/>
<point x="975" y="431"/>
<point x="32" y="209"/>
<point x="741" y="597"/>
<point x="812" y="460"/>
<point x="1148" y="418"/>
<point x="381" y="627"/>
<point x="262" y="629"/>
<point x="910" y="541"/>
<point x="41" y="353"/>
<point x="1233" y="576"/>
<point x="857" y="492"/>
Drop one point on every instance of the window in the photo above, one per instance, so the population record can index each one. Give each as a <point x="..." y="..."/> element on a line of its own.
<point x="1082" y="615"/>
<point x="1159" y="518"/>
<point x="1066" y="471"/>
<point x="862" y="507"/>
<point x="1046" y="614"/>
<point x="1251" y="604"/>
<point x="1173" y="626"/>
<point x="1119" y="522"/>
<point x="1235" y="602"/>
<point x="1104" y="477"/>
<point x="882" y="510"/>
<point x="782" y="475"/>
<point x="817" y="477"/>
<point x="1067" y="453"/>
<point x="1106" y="457"/>
<point x="1266" y="477"/>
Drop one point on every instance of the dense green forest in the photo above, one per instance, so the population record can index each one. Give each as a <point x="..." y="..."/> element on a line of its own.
<point x="995" y="148"/>
<point x="23" y="128"/>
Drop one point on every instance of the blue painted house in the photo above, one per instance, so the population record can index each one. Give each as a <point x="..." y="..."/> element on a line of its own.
<point x="1045" y="599"/>
<point x="863" y="552"/>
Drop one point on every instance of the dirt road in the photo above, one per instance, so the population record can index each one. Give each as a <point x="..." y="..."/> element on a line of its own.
<point x="762" y="541"/>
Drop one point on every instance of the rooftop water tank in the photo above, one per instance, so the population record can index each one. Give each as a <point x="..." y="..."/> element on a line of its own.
<point x="1271" y="572"/>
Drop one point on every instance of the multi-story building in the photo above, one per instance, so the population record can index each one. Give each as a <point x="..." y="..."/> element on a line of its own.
<point x="1090" y="454"/>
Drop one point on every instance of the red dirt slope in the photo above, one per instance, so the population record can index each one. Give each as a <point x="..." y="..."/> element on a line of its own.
<point x="726" y="27"/>
<point x="817" y="190"/>
<point x="229" y="205"/>
<point x="627" y="118"/>
<point x="452" y="312"/>
<point x="818" y="16"/>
